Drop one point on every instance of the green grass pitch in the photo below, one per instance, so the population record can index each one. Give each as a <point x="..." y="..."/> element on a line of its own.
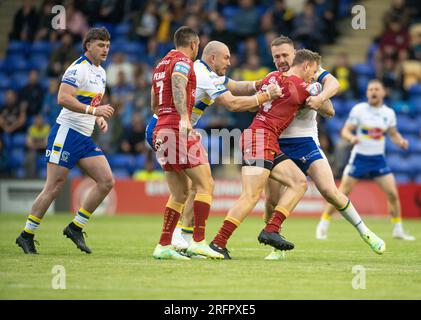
<point x="122" y="267"/>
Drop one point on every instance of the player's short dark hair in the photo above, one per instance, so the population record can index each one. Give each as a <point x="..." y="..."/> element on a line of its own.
<point x="375" y="81"/>
<point x="281" y="40"/>
<point x="184" y="36"/>
<point x="304" y="55"/>
<point x="96" y="34"/>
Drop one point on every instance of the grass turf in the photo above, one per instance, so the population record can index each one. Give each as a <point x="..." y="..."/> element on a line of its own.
<point x="122" y="267"/>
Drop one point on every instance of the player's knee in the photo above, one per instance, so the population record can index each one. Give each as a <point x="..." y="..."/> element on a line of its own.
<point x="301" y="185"/>
<point x="107" y="183"/>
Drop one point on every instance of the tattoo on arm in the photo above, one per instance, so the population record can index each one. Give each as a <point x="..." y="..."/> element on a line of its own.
<point x="179" y="84"/>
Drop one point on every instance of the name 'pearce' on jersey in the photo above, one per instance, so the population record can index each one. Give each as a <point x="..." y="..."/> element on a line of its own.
<point x="173" y="62"/>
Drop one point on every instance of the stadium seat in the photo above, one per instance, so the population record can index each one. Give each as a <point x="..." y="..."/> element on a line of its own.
<point x="42" y="47"/>
<point x="20" y="173"/>
<point x="415" y="90"/>
<point x="399" y="164"/>
<point x="121" y="29"/>
<point x="417" y="103"/>
<point x="338" y="105"/>
<point x="365" y="69"/>
<point x="17" y="47"/>
<point x="406" y="125"/>
<point x="4" y="81"/>
<point x="19" y="140"/>
<point x="362" y="83"/>
<point x="121" y="160"/>
<point x="139" y="162"/>
<point x="19" y="80"/>
<point x="16" y="63"/>
<point x="2" y="98"/>
<point x="335" y="125"/>
<point x="403" y="107"/>
<point x="121" y="173"/>
<point x="133" y="48"/>
<point x="38" y="62"/>
<point x="392" y="148"/>
<point x="17" y="157"/>
<point x="414" y="163"/>
<point x="403" y="177"/>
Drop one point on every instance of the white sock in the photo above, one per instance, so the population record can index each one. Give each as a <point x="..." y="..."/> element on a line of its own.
<point x="398" y="226"/>
<point x="352" y="216"/>
<point x="176" y="235"/>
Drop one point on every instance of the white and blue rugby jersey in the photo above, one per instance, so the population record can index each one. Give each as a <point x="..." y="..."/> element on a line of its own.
<point x="89" y="80"/>
<point x="305" y="123"/>
<point x="372" y="123"/>
<point x="208" y="87"/>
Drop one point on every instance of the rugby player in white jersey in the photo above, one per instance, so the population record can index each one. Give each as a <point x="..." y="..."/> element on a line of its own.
<point x="213" y="87"/>
<point x="70" y="142"/>
<point x="371" y="120"/>
<point x="300" y="143"/>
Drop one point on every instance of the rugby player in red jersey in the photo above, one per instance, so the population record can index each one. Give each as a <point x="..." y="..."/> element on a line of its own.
<point x="178" y="148"/>
<point x="262" y="157"/>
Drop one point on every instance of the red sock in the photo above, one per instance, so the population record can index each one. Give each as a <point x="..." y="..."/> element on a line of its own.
<point x="274" y="224"/>
<point x="170" y="221"/>
<point x="201" y="212"/>
<point x="224" y="233"/>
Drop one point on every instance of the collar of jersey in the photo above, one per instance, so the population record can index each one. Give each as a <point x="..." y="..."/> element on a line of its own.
<point x="206" y="65"/>
<point x="86" y="58"/>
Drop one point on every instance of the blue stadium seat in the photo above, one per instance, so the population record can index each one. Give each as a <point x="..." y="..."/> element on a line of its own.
<point x="17" y="157"/>
<point x="121" y="160"/>
<point x="20" y="173"/>
<point x="392" y="148"/>
<point x="362" y="83"/>
<point x="19" y="140"/>
<point x="121" y="173"/>
<point x="399" y="164"/>
<point x="4" y="81"/>
<point x="365" y="69"/>
<point x="140" y="161"/>
<point x="121" y="29"/>
<point x="19" y="80"/>
<point x="417" y="102"/>
<point x="414" y="162"/>
<point x="403" y="107"/>
<point x="403" y="177"/>
<point x="133" y="48"/>
<point x="17" y="47"/>
<point x="2" y="98"/>
<point x="406" y="125"/>
<point x="338" y="105"/>
<point x="41" y="161"/>
<point x="42" y="47"/>
<point x="349" y="104"/>
<point x="335" y="125"/>
<point x="415" y="90"/>
<point x="15" y="63"/>
<point x="38" y="62"/>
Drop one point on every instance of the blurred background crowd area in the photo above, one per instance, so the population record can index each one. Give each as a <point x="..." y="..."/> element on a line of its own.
<point x="35" y="57"/>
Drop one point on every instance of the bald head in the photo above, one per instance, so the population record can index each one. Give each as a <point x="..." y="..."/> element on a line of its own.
<point x="217" y="56"/>
<point x="214" y="47"/>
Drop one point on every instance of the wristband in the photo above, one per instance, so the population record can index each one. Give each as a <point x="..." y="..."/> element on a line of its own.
<point x="262" y="97"/>
<point x="87" y="108"/>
